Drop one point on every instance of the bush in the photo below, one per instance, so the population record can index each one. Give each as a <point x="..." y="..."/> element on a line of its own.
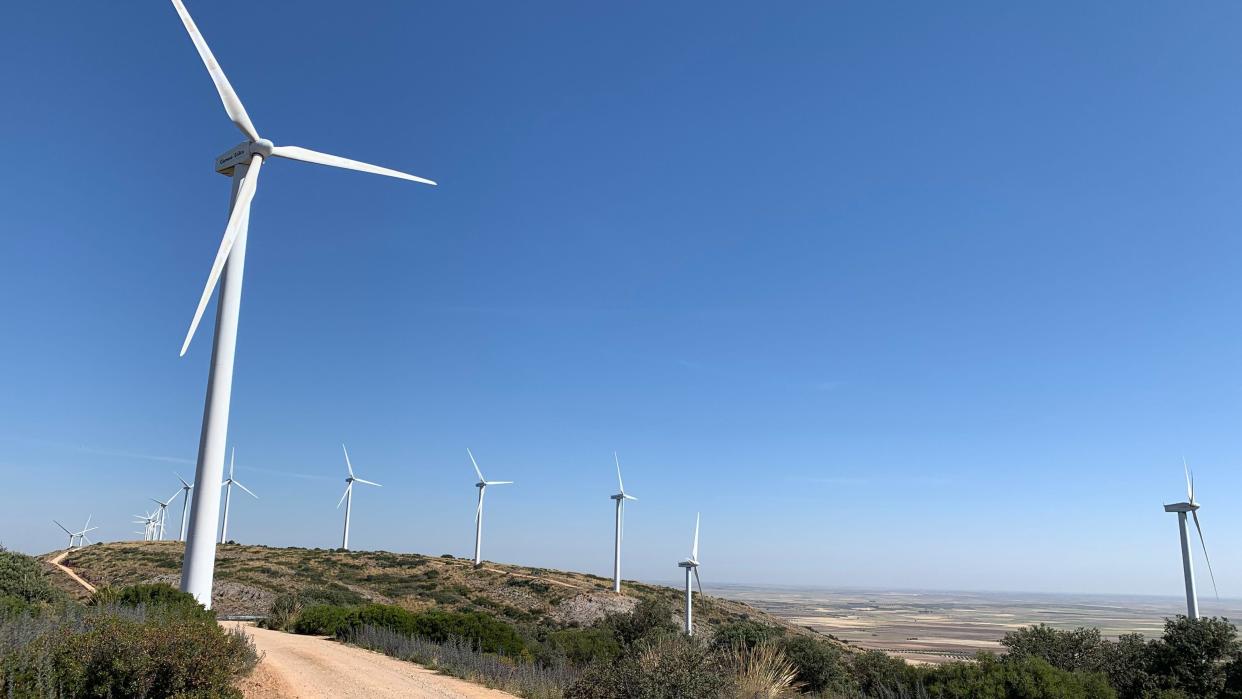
<point x="820" y="665"/>
<point x="321" y="620"/>
<point x="1026" y="677"/>
<point x="158" y="596"/>
<point x="668" y="667"/>
<point x="1080" y="649"/>
<point x="745" y="633"/>
<point x="287" y="608"/>
<point x="583" y="646"/>
<point x="486" y="633"/>
<point x="762" y="672"/>
<point x="121" y="652"/>
<point x="651" y="618"/>
<point x="24" y="578"/>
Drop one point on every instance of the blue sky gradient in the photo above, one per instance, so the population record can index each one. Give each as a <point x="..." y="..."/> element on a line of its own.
<point x="897" y="296"/>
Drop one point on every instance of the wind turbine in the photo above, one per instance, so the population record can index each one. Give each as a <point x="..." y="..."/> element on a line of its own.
<point x="82" y="538"/>
<point x="242" y="163"/>
<point x="348" y="496"/>
<point x="185" y="503"/>
<point x="478" y="514"/>
<point x="620" y="497"/>
<point x="72" y="536"/>
<point x="1188" y="569"/>
<point x="163" y="511"/>
<point x="691" y="564"/>
<point x="228" y="495"/>
<point x="148" y="521"/>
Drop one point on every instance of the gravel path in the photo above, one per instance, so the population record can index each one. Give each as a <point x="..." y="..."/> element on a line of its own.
<point x="308" y="667"/>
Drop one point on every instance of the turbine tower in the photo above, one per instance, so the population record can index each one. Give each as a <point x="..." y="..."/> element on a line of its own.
<point x="620" y="497"/>
<point x="348" y="496"/>
<point x="76" y="538"/>
<point x="478" y="513"/>
<point x="228" y="495"/>
<point x="691" y="564"/>
<point x="185" y="504"/>
<point x="242" y="163"/>
<point x="1188" y="569"/>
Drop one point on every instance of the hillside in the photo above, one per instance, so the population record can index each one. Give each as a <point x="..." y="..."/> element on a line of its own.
<point x="248" y="578"/>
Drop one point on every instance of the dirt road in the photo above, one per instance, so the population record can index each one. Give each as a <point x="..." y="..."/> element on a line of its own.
<point x="307" y="667"/>
<point x="65" y="569"/>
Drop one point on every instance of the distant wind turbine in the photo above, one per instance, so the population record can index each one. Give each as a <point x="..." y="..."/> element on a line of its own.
<point x="691" y="564"/>
<point x="1188" y="569"/>
<point x="76" y="538"/>
<point x="185" y="503"/>
<point x="620" y="497"/>
<point x="228" y="495"/>
<point x="242" y="163"/>
<point x="478" y="513"/>
<point x="348" y="496"/>
<point x="163" y="511"/>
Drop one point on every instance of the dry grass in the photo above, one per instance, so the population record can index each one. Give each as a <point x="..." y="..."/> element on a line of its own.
<point x="763" y="672"/>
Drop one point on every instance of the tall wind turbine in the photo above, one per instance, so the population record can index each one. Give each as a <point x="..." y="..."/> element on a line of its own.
<point x="72" y="537"/>
<point x="691" y="564"/>
<point x="185" y="504"/>
<point x="1188" y="569"/>
<point x="242" y="163"/>
<point x="478" y="513"/>
<point x="620" y="497"/>
<point x="228" y="495"/>
<point x="163" y="511"/>
<point x="76" y="538"/>
<point x="348" y="496"/>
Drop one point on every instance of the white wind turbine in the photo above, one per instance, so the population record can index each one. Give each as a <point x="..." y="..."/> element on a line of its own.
<point x="620" y="497"/>
<point x="228" y="484"/>
<point x="148" y="521"/>
<point x="163" y="511"/>
<point x="76" y="538"/>
<point x="185" y="504"/>
<point x="242" y="163"/>
<point x="478" y="513"/>
<point x="1181" y="508"/>
<point x="691" y="564"/>
<point x="348" y="496"/>
<point x="82" y="538"/>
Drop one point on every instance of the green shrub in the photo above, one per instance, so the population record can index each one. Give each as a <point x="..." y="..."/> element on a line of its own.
<point x="1026" y="677"/>
<point x="744" y="633"/>
<point x="321" y="620"/>
<point x="668" y="667"/>
<point x="820" y="664"/>
<point x="487" y="633"/>
<point x="25" y="578"/>
<point x="112" y="652"/>
<point x="651" y="618"/>
<point x="583" y="646"/>
<point x="160" y="597"/>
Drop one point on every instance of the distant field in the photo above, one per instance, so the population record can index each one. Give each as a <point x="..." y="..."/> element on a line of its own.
<point x="935" y="627"/>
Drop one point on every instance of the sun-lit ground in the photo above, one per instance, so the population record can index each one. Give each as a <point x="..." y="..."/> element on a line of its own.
<point x="941" y="626"/>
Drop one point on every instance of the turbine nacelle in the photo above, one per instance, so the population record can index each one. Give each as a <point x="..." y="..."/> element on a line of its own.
<point x="1182" y="507"/>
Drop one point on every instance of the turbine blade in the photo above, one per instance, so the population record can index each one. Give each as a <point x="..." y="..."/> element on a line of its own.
<point x="232" y="103"/>
<point x="170" y="499"/>
<point x="310" y="156"/>
<point x="1190" y="481"/>
<point x="359" y="480"/>
<point x="619" y="481"/>
<point x="696" y="580"/>
<point x="621" y="533"/>
<point x="348" y="465"/>
<point x="238" y="219"/>
<point x="628" y="497"/>
<point x="476" y="466"/>
<point x="1203" y="543"/>
<point x="478" y="512"/>
<point x="239" y="485"/>
<point x="694" y="550"/>
<point x="63" y="527"/>
<point x="88" y="521"/>
<point x="338" y="502"/>
<point x="87" y="539"/>
<point x="232" y="461"/>
<point x="183" y="483"/>
<point x="499" y="482"/>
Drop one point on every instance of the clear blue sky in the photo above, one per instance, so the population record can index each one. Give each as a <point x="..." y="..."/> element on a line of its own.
<point x="897" y="296"/>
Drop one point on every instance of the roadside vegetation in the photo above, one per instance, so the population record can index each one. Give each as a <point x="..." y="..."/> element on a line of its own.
<point x="147" y="641"/>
